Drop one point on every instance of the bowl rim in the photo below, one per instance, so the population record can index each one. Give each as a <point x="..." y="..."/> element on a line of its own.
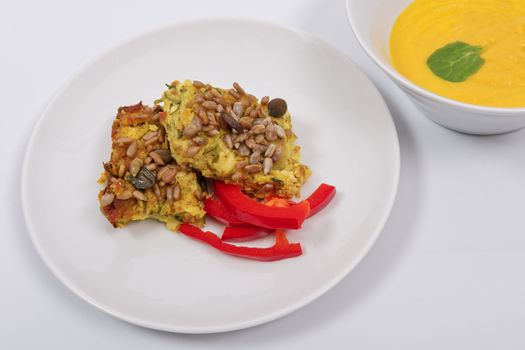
<point x="398" y="78"/>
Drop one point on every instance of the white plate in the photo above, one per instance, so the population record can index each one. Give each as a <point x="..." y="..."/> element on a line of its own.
<point x="149" y="276"/>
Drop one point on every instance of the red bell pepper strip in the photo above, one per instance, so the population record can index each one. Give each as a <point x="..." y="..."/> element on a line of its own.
<point x="246" y="209"/>
<point x="243" y="234"/>
<point x="320" y="198"/>
<point x="216" y="210"/>
<point x="280" y="202"/>
<point x="282" y="249"/>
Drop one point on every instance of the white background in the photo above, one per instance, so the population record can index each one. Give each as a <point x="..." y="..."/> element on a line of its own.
<point x="446" y="273"/>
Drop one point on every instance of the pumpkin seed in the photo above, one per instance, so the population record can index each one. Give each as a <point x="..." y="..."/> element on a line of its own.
<point x="145" y="179"/>
<point x="277" y="107"/>
<point x="231" y="121"/>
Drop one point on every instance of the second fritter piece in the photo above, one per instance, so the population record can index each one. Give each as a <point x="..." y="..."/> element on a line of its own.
<point x="142" y="180"/>
<point x="228" y="135"/>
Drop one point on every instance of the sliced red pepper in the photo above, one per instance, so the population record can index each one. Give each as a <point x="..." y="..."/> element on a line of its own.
<point x="282" y="249"/>
<point x="244" y="234"/>
<point x="279" y="202"/>
<point x="246" y="209"/>
<point x="218" y="211"/>
<point x="320" y="198"/>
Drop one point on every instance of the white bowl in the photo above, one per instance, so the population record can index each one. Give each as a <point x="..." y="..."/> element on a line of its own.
<point x="371" y="22"/>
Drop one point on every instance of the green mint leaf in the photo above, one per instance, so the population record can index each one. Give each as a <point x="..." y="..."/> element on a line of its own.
<point x="456" y="62"/>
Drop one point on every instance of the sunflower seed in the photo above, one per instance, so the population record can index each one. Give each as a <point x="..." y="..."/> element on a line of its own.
<point x="260" y="112"/>
<point x="246" y="122"/>
<point x="240" y="138"/>
<point x="149" y="135"/>
<point x="152" y="140"/>
<point x="246" y="100"/>
<point x="236" y="176"/>
<point x="260" y="139"/>
<point x="157" y="116"/>
<point x="169" y="175"/>
<point x="121" y="170"/>
<point x="234" y="93"/>
<point x="238" y="88"/>
<point x="253" y="168"/>
<point x="132" y="149"/>
<point x="221" y="101"/>
<point x="127" y="194"/>
<point x="258" y="121"/>
<point x="270" y="150"/>
<point x="156" y="190"/>
<point x="209" y="105"/>
<point x="139" y="195"/>
<point x="267" y="188"/>
<point x="277" y="153"/>
<point x="198" y="84"/>
<point x="258" y="129"/>
<point x="241" y="164"/>
<point x="250" y="143"/>
<point x="191" y="151"/>
<point x="203" y="117"/>
<point x="176" y="192"/>
<point x="243" y="150"/>
<point x="169" y="194"/>
<point x="238" y="108"/>
<point x="259" y="148"/>
<point x="267" y="165"/>
<point x="107" y="199"/>
<point x="135" y="166"/>
<point x="215" y="93"/>
<point x="123" y="140"/>
<point x="198" y="98"/>
<point x="208" y="128"/>
<point x="161" y="172"/>
<point x="271" y="133"/>
<point x="210" y="115"/>
<point x="212" y="132"/>
<point x="200" y="140"/>
<point x="199" y="195"/>
<point x="190" y="130"/>
<point x="228" y="141"/>
<point x="156" y="158"/>
<point x="279" y="131"/>
<point x="197" y="123"/>
<point x="151" y="166"/>
<point x="255" y="158"/>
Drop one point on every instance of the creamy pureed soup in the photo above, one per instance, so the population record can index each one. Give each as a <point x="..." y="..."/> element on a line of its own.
<point x="496" y="27"/>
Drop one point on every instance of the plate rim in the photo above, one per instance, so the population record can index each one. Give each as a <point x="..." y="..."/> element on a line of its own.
<point x="232" y="326"/>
